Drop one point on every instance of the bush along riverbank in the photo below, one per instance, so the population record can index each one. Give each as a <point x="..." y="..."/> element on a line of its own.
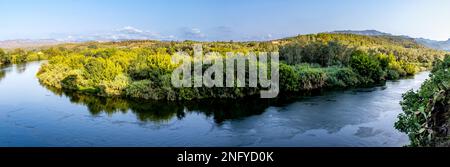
<point x="19" y="56"/>
<point x="426" y="114"/>
<point x="142" y="69"/>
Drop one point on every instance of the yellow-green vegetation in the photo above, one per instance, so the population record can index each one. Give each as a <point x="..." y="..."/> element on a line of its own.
<point x="335" y="49"/>
<point x="427" y="111"/>
<point x="18" y="56"/>
<point x="142" y="69"/>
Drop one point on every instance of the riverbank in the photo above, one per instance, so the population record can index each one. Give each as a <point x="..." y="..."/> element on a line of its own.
<point x="141" y="74"/>
<point x="142" y="69"/>
<point x="427" y="110"/>
<point x="33" y="115"/>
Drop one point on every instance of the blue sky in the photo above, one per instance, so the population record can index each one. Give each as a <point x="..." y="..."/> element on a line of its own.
<point x="219" y="19"/>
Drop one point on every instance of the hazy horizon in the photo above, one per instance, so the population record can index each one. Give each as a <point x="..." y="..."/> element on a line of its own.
<point x="218" y="20"/>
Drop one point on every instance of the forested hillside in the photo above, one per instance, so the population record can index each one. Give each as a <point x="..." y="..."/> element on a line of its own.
<point x="142" y="69"/>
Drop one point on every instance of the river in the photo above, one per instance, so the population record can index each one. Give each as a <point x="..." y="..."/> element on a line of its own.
<point x="32" y="115"/>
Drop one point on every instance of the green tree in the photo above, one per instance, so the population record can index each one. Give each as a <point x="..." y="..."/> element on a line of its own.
<point x="4" y="58"/>
<point x="367" y="66"/>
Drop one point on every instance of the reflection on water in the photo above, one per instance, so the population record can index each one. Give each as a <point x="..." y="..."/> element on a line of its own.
<point x="162" y="111"/>
<point x="32" y="115"/>
<point x="19" y="68"/>
<point x="2" y="75"/>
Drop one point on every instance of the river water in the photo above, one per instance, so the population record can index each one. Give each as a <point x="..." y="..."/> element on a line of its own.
<point x="32" y="115"/>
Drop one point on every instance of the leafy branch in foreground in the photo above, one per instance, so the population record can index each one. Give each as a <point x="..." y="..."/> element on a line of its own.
<point x="427" y="111"/>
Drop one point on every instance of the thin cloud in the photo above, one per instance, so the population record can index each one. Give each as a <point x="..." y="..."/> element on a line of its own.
<point x="192" y="34"/>
<point x="130" y="30"/>
<point x="125" y="33"/>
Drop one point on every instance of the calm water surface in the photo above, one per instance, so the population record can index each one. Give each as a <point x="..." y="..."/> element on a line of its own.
<point x="32" y="115"/>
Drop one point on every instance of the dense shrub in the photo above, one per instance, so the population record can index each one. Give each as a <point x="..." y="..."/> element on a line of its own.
<point x="325" y="54"/>
<point x="53" y="74"/>
<point x="410" y="69"/>
<point x="305" y="77"/>
<point x="311" y="78"/>
<point x="367" y="67"/>
<point x="4" y="58"/>
<point x="426" y="111"/>
<point x="115" y="87"/>
<point x="337" y="48"/>
<point x="19" y="56"/>
<point x="392" y="74"/>
<point x="288" y="78"/>
<point x="341" y="77"/>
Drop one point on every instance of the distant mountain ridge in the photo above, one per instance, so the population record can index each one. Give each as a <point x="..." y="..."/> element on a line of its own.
<point x="131" y="34"/>
<point x="363" y="32"/>
<point x="27" y="43"/>
<point x="440" y="45"/>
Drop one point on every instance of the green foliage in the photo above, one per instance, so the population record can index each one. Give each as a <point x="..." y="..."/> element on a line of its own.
<point x="340" y="47"/>
<point x="147" y="89"/>
<point x="301" y="77"/>
<point x="410" y="69"/>
<point x="4" y="58"/>
<point x="392" y="74"/>
<point x="325" y="54"/>
<point x="342" y="77"/>
<point x="144" y="89"/>
<point x="426" y="111"/>
<point x="367" y="66"/>
<point x="100" y="69"/>
<point x="115" y="87"/>
<point x="151" y="66"/>
<point x="396" y="57"/>
<point x="19" y="56"/>
<point x="311" y="78"/>
<point x="288" y="78"/>
<point x="305" y="77"/>
<point x="53" y="74"/>
<point x="141" y="69"/>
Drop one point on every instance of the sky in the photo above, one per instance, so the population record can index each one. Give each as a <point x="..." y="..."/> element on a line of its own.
<point x="218" y="19"/>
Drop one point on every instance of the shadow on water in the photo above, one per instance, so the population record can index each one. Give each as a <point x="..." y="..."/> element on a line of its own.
<point x="19" y="68"/>
<point x="163" y="111"/>
<point x="219" y="109"/>
<point x="2" y="75"/>
<point x="4" y="70"/>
